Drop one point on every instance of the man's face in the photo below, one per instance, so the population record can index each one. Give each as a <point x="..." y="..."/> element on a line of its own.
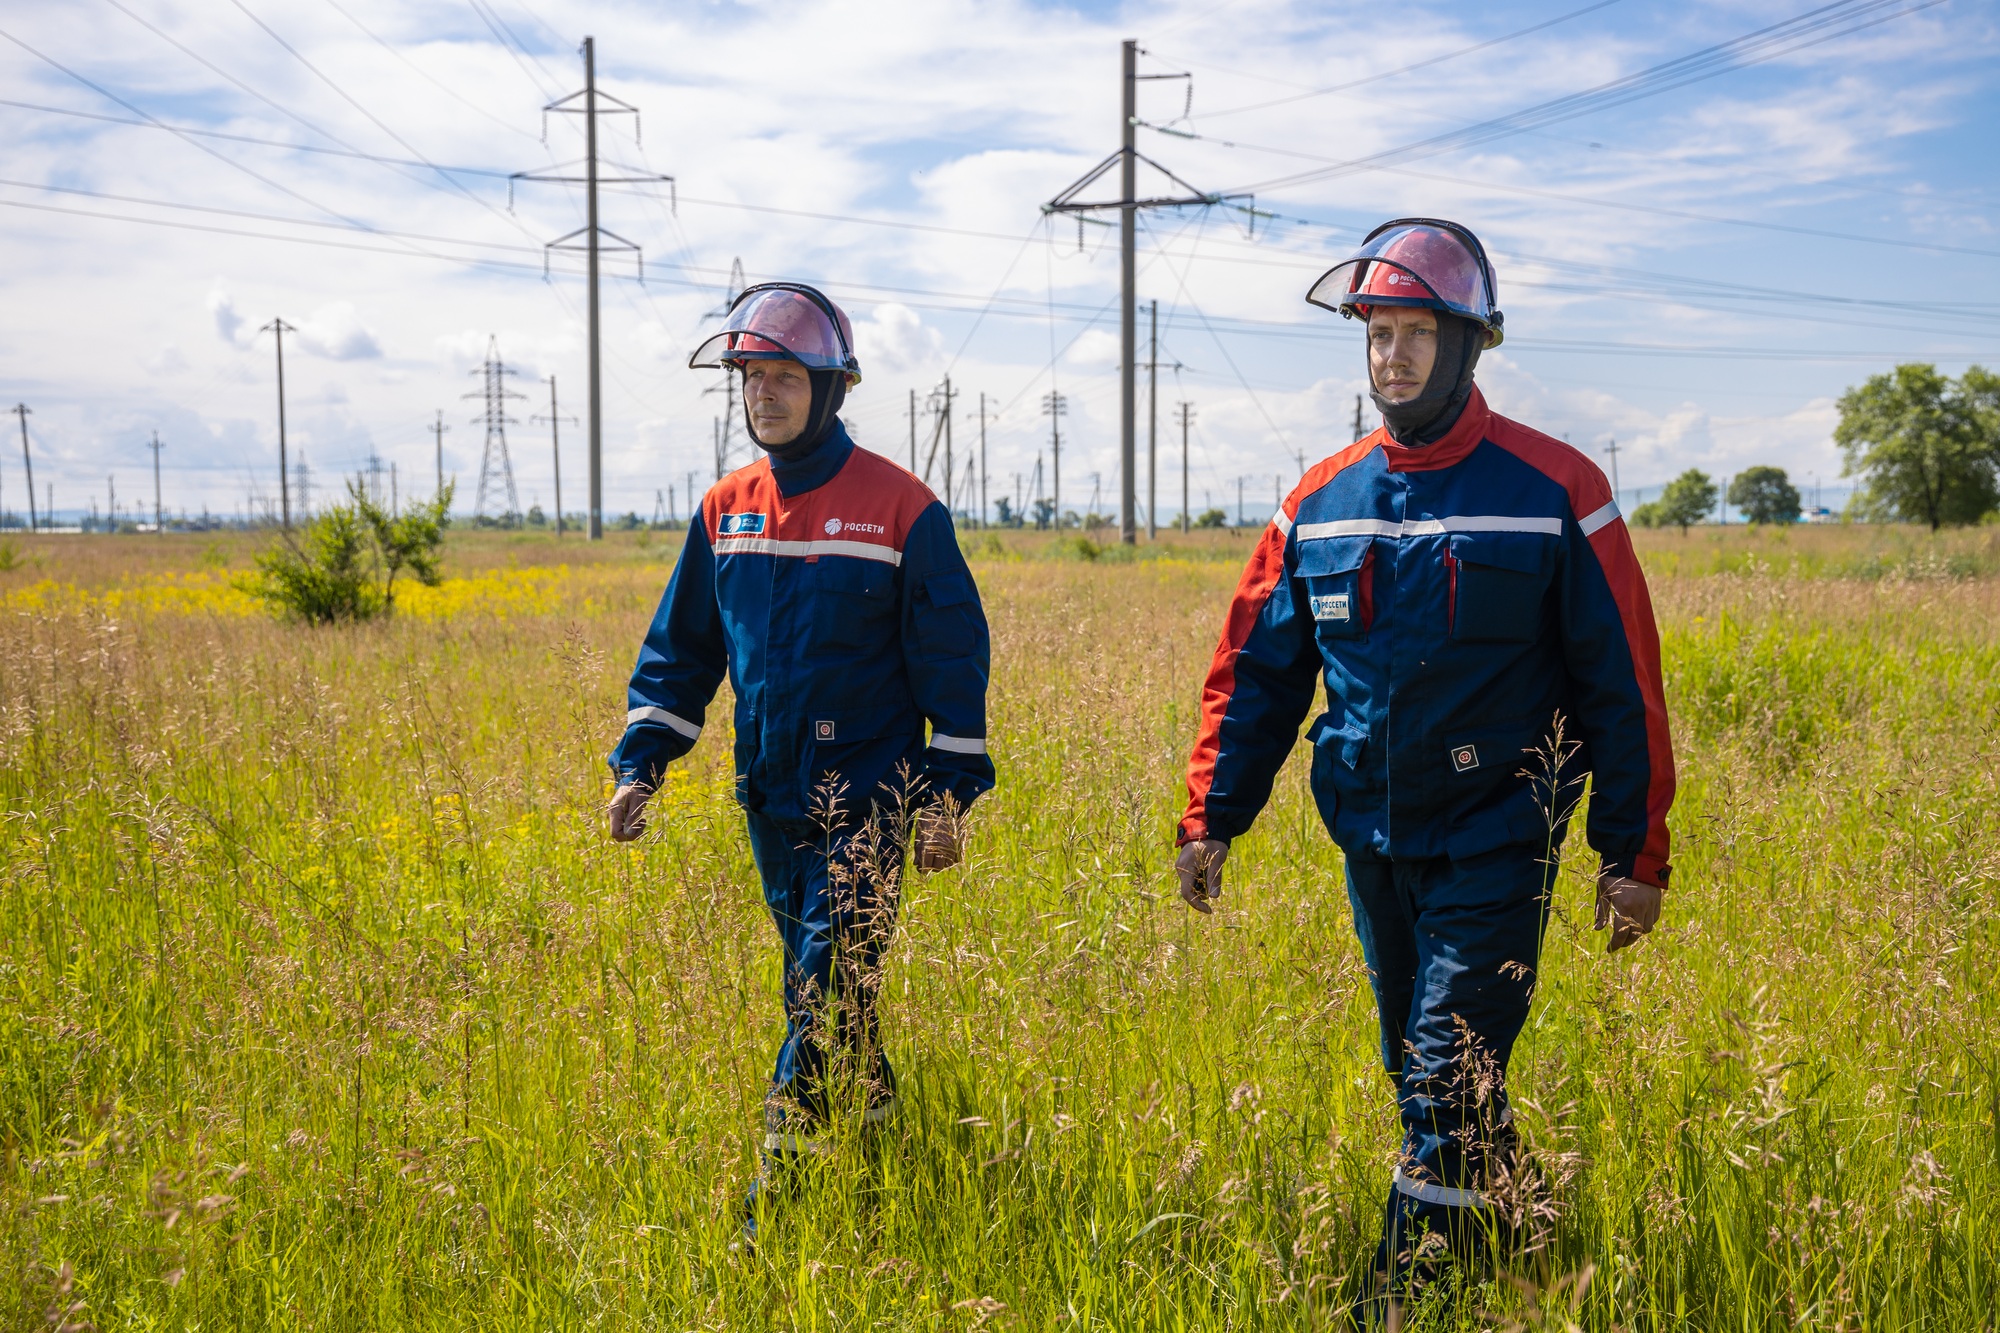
<point x="1402" y="348"/>
<point x="778" y="395"/>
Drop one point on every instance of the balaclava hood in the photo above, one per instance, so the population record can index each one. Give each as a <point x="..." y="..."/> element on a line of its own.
<point x="829" y="391"/>
<point x="1435" y="410"/>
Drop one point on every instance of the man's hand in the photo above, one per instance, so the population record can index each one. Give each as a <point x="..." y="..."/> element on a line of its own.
<point x="940" y="839"/>
<point x="1200" y="869"/>
<point x="1628" y="907"/>
<point x="628" y="811"/>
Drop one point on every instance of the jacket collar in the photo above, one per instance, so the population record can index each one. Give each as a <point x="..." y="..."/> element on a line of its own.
<point x="817" y="468"/>
<point x="1463" y="437"/>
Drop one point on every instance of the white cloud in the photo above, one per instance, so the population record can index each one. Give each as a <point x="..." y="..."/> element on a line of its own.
<point x="894" y="339"/>
<point x="335" y="331"/>
<point x="1096" y="349"/>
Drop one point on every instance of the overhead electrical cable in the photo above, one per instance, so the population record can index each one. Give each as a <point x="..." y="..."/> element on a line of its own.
<point x="1843" y="18"/>
<point x="1476" y="47"/>
<point x="442" y="86"/>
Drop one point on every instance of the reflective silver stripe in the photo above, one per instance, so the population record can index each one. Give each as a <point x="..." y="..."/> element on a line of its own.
<point x="1599" y="518"/>
<point x="958" y="744"/>
<point x="680" y="724"/>
<point x="810" y="1144"/>
<point x="1427" y="527"/>
<point x="1282" y="523"/>
<point x="1348" y="527"/>
<point x="875" y="1115"/>
<point x="771" y="546"/>
<point x="1442" y="1195"/>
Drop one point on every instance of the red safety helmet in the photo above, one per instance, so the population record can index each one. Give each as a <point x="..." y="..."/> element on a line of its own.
<point x="786" y="321"/>
<point x="1415" y="262"/>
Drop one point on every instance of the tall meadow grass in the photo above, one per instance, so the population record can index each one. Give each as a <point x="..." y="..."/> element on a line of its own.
<point x="325" y="1003"/>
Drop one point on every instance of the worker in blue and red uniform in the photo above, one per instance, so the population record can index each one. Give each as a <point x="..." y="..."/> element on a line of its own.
<point x="1468" y="591"/>
<point x="828" y="583"/>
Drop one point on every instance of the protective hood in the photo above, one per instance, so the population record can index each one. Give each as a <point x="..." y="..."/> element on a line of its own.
<point x="1435" y="410"/>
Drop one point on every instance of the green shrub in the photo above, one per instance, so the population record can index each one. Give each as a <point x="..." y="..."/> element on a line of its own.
<point x="345" y="564"/>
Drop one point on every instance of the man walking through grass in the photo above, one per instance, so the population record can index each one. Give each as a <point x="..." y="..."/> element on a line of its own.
<point x="828" y="583"/>
<point x="1468" y="591"/>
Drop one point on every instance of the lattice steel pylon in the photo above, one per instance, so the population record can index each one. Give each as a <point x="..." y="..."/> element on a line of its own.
<point x="496" y="468"/>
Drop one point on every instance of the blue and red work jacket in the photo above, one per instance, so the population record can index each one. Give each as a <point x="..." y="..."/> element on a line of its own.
<point x="1458" y="598"/>
<point x="832" y="591"/>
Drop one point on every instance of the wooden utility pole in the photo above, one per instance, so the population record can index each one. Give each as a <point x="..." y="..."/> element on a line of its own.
<point x="438" y="428"/>
<point x="1358" y="432"/>
<point x="555" y="420"/>
<point x="1187" y="419"/>
<point x="982" y="460"/>
<point x="1153" y="431"/>
<point x="913" y="430"/>
<point x="158" y="526"/>
<point x="22" y="410"/>
<point x="1612" y="449"/>
<point x="280" y="328"/>
<point x="1055" y="405"/>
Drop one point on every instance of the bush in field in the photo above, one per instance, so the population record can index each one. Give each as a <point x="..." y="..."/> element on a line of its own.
<point x="1927" y="447"/>
<point x="1211" y="518"/>
<point x="1687" y="499"/>
<point x="1765" y="495"/>
<point x="345" y="564"/>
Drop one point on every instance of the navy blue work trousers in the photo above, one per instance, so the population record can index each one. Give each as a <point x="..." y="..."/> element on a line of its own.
<point x="832" y="896"/>
<point x="1453" y="948"/>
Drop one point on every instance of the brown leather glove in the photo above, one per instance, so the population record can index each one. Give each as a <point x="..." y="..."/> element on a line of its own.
<point x="628" y="811"/>
<point x="940" y="840"/>
<point x="1199" y="867"/>
<point x="1630" y="908"/>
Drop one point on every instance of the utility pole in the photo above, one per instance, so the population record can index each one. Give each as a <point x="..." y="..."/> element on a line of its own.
<point x="1239" y="502"/>
<point x="1153" y="432"/>
<point x="1358" y="432"/>
<point x="555" y="418"/>
<point x="496" y="468"/>
<point x="594" y="238"/>
<point x="1187" y="419"/>
<point x="982" y="460"/>
<point x="438" y="428"/>
<point x="159" y="528"/>
<point x="22" y="410"/>
<point x="913" y="430"/>
<point x="280" y="328"/>
<point x="1128" y="205"/>
<point x="1612" y="449"/>
<point x="1054" y="405"/>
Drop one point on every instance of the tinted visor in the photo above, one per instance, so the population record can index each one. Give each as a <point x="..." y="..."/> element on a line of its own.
<point x="777" y="322"/>
<point x="1415" y="264"/>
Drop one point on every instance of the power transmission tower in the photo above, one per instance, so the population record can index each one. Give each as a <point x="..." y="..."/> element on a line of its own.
<point x="1187" y="419"/>
<point x="22" y="411"/>
<point x="555" y="420"/>
<point x="1055" y="406"/>
<point x="659" y="507"/>
<point x="940" y="405"/>
<point x="495" y="467"/>
<point x="158" y="527"/>
<point x="594" y="238"/>
<point x="301" y="476"/>
<point x="280" y="328"/>
<point x="438" y="428"/>
<point x="1127" y="158"/>
<point x="1612" y="449"/>
<point x="1153" y="431"/>
<point x="374" y="475"/>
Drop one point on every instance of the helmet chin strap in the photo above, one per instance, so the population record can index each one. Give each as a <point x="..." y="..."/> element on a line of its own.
<point x="829" y="391"/>
<point x="1435" y="409"/>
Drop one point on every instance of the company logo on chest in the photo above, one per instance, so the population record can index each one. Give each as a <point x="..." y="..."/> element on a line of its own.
<point x="1333" y="606"/>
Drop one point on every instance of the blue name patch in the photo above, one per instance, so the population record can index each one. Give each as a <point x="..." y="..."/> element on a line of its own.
<point x="1332" y="606"/>
<point x="742" y="525"/>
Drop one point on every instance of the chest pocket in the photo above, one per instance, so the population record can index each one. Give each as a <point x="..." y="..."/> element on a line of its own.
<point x="1499" y="580"/>
<point x="854" y="601"/>
<point x="1338" y="574"/>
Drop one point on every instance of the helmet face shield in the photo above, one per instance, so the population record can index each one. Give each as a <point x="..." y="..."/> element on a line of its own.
<point x="782" y="321"/>
<point x="1415" y="262"/>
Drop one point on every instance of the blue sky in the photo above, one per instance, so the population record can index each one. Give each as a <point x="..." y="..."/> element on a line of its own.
<point x="1697" y="274"/>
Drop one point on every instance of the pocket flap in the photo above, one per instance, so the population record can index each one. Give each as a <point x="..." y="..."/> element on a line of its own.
<point x="950" y="588"/>
<point x="852" y="575"/>
<point x="1332" y="555"/>
<point x="1522" y="552"/>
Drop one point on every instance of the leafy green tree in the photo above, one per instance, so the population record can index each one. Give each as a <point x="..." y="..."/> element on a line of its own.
<point x="1765" y="495"/>
<point x="1925" y="446"/>
<point x="1211" y="518"/>
<point x="344" y="565"/>
<point x="1688" y="499"/>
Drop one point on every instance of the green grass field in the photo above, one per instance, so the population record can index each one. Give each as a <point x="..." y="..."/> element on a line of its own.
<point x="326" y="1004"/>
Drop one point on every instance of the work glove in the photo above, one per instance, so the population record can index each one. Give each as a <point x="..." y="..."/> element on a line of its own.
<point x="940" y="839"/>
<point x="1200" y="869"/>
<point x="1630" y="908"/>
<point x="628" y="811"/>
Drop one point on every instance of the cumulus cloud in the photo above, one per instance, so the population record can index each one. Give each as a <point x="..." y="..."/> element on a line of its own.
<point x="230" y="325"/>
<point x="1096" y="349"/>
<point x="894" y="338"/>
<point x="335" y="331"/>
